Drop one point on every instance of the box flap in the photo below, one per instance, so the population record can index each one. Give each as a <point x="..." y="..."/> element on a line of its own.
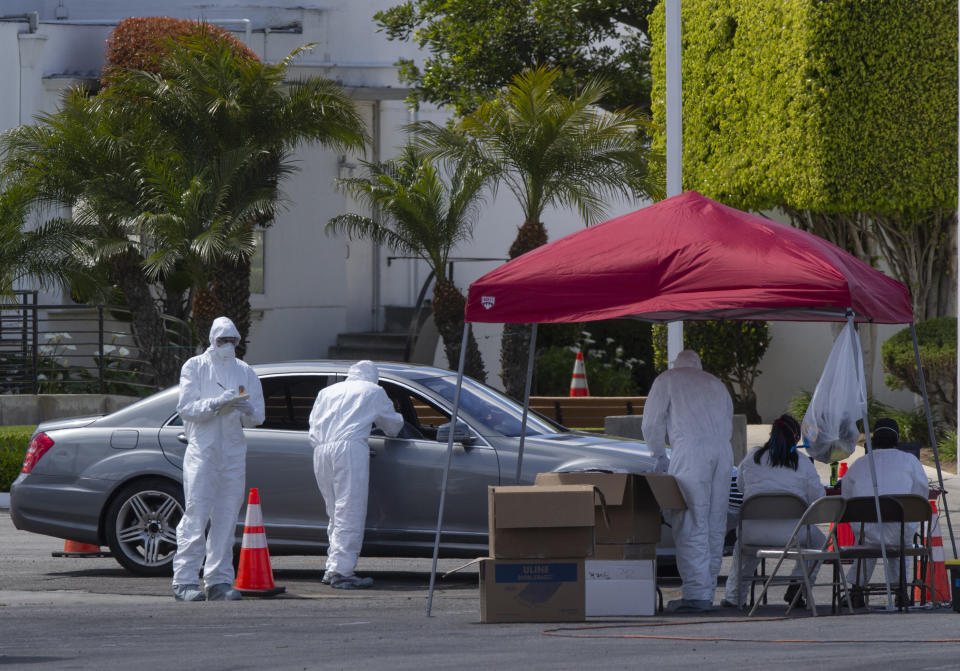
<point x="612" y="485"/>
<point x="554" y="506"/>
<point x="665" y="490"/>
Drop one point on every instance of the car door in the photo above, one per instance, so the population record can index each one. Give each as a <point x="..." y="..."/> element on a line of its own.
<point x="406" y="474"/>
<point x="280" y="458"/>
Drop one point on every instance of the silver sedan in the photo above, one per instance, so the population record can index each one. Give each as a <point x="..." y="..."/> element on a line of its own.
<point x="116" y="480"/>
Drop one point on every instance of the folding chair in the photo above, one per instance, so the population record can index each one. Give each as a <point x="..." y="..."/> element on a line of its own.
<point x="766" y="507"/>
<point x="862" y="510"/>
<point x="826" y="510"/>
<point x="917" y="509"/>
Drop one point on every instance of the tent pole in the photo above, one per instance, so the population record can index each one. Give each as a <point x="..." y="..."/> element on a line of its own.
<point x="526" y="397"/>
<point x="446" y="469"/>
<point x="933" y="439"/>
<point x="858" y="365"/>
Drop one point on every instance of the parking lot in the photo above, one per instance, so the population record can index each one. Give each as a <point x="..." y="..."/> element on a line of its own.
<point x="89" y="613"/>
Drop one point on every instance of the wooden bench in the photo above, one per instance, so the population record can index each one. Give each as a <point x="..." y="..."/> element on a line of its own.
<point x="586" y="412"/>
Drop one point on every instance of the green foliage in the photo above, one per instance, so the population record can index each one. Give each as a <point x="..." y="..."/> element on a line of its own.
<point x="947" y="446"/>
<point x="937" y="340"/>
<point x="609" y="370"/>
<point x="14" y="441"/>
<point x="839" y="106"/>
<point x="474" y="47"/>
<point x="731" y="350"/>
<point x="632" y="336"/>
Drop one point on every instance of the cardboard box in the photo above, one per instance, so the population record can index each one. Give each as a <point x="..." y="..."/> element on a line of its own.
<point x="620" y="587"/>
<point x="624" y="551"/>
<point x="537" y="590"/>
<point x="633" y="502"/>
<point x="541" y="522"/>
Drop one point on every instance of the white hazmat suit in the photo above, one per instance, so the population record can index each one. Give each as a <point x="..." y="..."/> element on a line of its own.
<point x="764" y="478"/>
<point x="214" y="464"/>
<point x="898" y="472"/>
<point x="693" y="408"/>
<point x="340" y="424"/>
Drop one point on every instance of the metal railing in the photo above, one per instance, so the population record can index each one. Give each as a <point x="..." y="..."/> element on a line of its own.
<point x="74" y="349"/>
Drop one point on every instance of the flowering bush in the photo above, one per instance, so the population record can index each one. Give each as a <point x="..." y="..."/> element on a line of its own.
<point x="609" y="371"/>
<point x="137" y="42"/>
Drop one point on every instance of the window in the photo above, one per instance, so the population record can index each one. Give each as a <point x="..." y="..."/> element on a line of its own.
<point x="420" y="417"/>
<point x="289" y="399"/>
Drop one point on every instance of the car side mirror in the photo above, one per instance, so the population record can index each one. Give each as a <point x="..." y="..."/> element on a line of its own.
<point x="462" y="434"/>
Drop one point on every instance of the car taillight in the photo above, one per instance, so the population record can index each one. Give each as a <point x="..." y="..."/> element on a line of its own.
<point x="38" y="447"/>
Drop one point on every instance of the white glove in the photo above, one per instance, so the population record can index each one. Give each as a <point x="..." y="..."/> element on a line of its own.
<point x="663" y="464"/>
<point x="223" y="399"/>
<point x="244" y="407"/>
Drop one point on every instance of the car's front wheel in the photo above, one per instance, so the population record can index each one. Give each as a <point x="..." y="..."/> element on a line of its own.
<point x="141" y="526"/>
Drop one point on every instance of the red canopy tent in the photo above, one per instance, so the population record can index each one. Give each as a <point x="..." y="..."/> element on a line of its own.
<point x="687" y="258"/>
<point x="684" y="258"/>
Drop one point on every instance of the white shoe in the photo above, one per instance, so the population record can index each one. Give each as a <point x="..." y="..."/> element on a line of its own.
<point x="338" y="581"/>
<point x="223" y="592"/>
<point x="188" y="593"/>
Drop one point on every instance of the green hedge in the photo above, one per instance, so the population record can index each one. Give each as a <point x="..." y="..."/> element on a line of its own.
<point x="839" y="106"/>
<point x="14" y="441"/>
<point x="937" y="339"/>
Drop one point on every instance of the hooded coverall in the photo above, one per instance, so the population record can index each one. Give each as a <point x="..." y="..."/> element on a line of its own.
<point x="340" y="424"/>
<point x="214" y="464"/>
<point x="694" y="408"/>
<point x="898" y="472"/>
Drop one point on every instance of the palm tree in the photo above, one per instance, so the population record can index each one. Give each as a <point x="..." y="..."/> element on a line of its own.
<point x="426" y="216"/>
<point x="233" y="122"/>
<point x="549" y="149"/>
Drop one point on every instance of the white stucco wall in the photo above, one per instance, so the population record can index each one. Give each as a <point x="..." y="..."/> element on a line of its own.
<point x="315" y="285"/>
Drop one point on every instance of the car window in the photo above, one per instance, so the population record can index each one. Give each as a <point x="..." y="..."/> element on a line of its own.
<point x="288" y="399"/>
<point x="420" y="416"/>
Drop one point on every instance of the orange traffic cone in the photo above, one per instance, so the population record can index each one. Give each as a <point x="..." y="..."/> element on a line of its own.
<point x="844" y="532"/>
<point x="255" y="577"/>
<point x="578" y="384"/>
<point x="936" y="576"/>
<point x="80" y="550"/>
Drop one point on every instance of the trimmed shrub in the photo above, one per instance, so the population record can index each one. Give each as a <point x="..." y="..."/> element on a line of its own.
<point x="947" y="446"/>
<point x="554" y="369"/>
<point x="14" y="441"/>
<point x="937" y="340"/>
<point x="137" y="42"/>
<point x="731" y="350"/>
<point x="840" y="106"/>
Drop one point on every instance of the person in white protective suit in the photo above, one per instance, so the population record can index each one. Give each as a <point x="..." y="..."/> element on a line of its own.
<point x="775" y="468"/>
<point x="219" y="395"/>
<point x="898" y="472"/>
<point x="694" y="409"/>
<point x="340" y="424"/>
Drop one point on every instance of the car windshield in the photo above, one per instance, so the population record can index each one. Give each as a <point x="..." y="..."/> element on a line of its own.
<point x="490" y="407"/>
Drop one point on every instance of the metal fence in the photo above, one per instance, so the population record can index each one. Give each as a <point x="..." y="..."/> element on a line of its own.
<point x="75" y="349"/>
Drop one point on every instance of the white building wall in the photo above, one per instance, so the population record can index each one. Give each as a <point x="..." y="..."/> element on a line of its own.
<point x="315" y="285"/>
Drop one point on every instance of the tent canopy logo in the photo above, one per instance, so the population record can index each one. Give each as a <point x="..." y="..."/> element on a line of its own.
<point x="487" y="301"/>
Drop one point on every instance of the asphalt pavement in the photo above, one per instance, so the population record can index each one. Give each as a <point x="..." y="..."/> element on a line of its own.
<point x="62" y="613"/>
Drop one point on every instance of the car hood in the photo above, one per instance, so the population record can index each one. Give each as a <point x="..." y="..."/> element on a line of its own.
<point x="68" y="423"/>
<point x="584" y="451"/>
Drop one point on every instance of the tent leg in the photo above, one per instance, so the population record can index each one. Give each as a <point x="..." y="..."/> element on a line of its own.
<point x="933" y="438"/>
<point x="870" y="459"/>
<point x="446" y="469"/>
<point x="526" y="398"/>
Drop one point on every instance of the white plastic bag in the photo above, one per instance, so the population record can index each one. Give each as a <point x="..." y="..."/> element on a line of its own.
<point x="829" y="426"/>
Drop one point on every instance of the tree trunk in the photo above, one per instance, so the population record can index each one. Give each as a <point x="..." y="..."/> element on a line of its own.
<point x="232" y="288"/>
<point x="515" y="344"/>
<point x="149" y="330"/>
<point x="448" y="307"/>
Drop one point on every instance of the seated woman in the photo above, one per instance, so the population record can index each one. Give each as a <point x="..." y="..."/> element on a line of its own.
<point x="775" y="468"/>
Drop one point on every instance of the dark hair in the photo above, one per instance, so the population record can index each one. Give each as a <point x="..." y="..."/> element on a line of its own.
<point x="784" y="435"/>
<point x="886" y="433"/>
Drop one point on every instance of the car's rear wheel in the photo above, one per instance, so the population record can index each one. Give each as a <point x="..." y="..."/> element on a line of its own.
<point x="141" y="526"/>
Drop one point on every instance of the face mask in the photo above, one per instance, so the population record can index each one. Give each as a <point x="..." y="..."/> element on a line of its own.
<point x="225" y="352"/>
